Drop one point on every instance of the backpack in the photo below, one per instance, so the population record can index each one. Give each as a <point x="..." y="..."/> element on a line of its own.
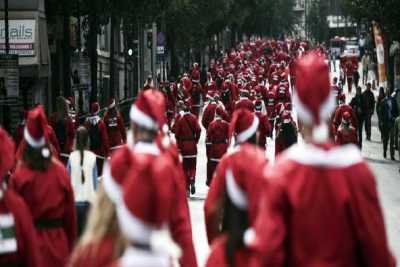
<point x="95" y="137"/>
<point x="61" y="132"/>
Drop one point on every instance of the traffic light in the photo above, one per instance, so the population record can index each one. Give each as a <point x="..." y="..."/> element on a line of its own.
<point x="149" y="40"/>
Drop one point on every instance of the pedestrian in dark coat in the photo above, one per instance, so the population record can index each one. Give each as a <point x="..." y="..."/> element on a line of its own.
<point x="359" y="107"/>
<point x="387" y="113"/>
<point x="369" y="102"/>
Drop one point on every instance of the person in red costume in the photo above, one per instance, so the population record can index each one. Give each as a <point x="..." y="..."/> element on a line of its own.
<point x="286" y="133"/>
<point x="115" y="126"/>
<point x="148" y="119"/>
<point x="240" y="187"/>
<point x="243" y="127"/>
<point x="218" y="140"/>
<point x="99" y="143"/>
<point x="244" y="102"/>
<point x="187" y="133"/>
<point x="20" y="246"/>
<point x="43" y="182"/>
<point x="332" y="185"/>
<point x="63" y="126"/>
<point x="264" y="129"/>
<point x="346" y="133"/>
<point x="340" y="110"/>
<point x="103" y="242"/>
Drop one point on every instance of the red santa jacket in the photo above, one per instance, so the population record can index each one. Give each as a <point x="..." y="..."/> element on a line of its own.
<point x="64" y="130"/>
<point x="208" y="114"/>
<point x="264" y="128"/>
<point x="218" y="137"/>
<point x="26" y="252"/>
<point x="215" y="197"/>
<point x="115" y="129"/>
<point x="346" y="135"/>
<point x="318" y="193"/>
<point x="99" y="143"/>
<point x="244" y="103"/>
<point x="187" y="133"/>
<point x="243" y="257"/>
<point x="50" y="199"/>
<point x="94" y="254"/>
<point x="179" y="222"/>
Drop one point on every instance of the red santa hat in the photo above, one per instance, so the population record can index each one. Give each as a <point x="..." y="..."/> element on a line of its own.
<point x="94" y="108"/>
<point x="244" y="125"/>
<point x="146" y="206"/>
<point x="116" y="172"/>
<point x="7" y="149"/>
<point x="148" y="111"/>
<point x="313" y="99"/>
<point x="35" y="128"/>
<point x="111" y="103"/>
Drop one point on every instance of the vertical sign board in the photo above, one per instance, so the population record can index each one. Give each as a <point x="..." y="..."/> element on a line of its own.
<point x="9" y="75"/>
<point x="380" y="53"/>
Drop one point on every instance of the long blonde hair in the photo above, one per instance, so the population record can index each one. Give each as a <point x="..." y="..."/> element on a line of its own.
<point x="102" y="222"/>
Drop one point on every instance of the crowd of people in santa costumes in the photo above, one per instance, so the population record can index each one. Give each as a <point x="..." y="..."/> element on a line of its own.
<point x="317" y="204"/>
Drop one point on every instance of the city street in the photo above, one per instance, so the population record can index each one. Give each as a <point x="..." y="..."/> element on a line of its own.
<point x="386" y="172"/>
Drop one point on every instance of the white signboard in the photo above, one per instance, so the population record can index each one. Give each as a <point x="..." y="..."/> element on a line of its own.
<point x="21" y="36"/>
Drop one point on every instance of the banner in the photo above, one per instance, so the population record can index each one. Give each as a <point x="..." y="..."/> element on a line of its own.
<point x="380" y="53"/>
<point x="21" y="35"/>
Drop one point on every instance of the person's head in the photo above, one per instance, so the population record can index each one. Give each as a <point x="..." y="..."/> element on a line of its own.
<point x="148" y="115"/>
<point x="244" y="126"/>
<point x="335" y="80"/>
<point x="313" y="112"/>
<point x="112" y="106"/>
<point x="101" y="223"/>
<point x="94" y="108"/>
<point x="381" y="91"/>
<point x="37" y="153"/>
<point x="358" y="90"/>
<point x="369" y="86"/>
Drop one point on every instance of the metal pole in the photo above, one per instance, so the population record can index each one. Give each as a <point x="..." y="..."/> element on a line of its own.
<point x="7" y="39"/>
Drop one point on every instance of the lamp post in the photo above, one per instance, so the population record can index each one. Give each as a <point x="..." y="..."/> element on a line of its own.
<point x="7" y="43"/>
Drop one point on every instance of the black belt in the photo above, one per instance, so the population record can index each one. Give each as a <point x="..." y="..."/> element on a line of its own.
<point x="186" y="139"/>
<point x="141" y="246"/>
<point x="48" y="223"/>
<point x="220" y="142"/>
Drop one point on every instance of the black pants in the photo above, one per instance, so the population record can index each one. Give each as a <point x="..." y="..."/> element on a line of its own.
<point x="360" y="131"/>
<point x="82" y="209"/>
<point x="368" y="126"/>
<point x="388" y="139"/>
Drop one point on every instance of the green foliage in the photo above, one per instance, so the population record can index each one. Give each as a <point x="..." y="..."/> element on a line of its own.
<point x="317" y="20"/>
<point x="386" y="13"/>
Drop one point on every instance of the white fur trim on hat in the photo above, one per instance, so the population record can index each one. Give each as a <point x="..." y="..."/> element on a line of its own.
<point x="112" y="105"/>
<point x="320" y="133"/>
<point x="133" y="227"/>
<point x="31" y="141"/>
<point x="112" y="189"/>
<point x="139" y="117"/>
<point x="337" y="157"/>
<point x="249" y="237"/>
<point x="235" y="193"/>
<point x="305" y="114"/>
<point x="246" y="134"/>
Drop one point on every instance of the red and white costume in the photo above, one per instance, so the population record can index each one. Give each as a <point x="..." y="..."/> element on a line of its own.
<point x="49" y="197"/>
<point x="115" y="127"/>
<point x="318" y="192"/>
<point x="244" y="125"/>
<point x="21" y="247"/>
<point x="187" y="133"/>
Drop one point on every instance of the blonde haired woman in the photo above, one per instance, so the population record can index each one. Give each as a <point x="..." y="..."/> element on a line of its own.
<point x="102" y="242"/>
